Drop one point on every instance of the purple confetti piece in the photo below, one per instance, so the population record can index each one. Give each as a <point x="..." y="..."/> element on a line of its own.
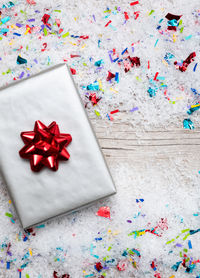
<point x="179" y="245"/>
<point x="21" y="75"/>
<point x="134" y="109"/>
<point x="19" y="25"/>
<point x="31" y="20"/>
<point x="129" y="221"/>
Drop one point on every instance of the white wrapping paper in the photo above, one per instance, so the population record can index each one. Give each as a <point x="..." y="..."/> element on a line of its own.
<point x="84" y="178"/>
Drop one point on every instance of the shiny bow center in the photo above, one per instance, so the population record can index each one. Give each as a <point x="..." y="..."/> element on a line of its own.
<point x="45" y="146"/>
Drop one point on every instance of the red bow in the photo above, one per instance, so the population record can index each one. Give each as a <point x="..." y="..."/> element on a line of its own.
<point x="45" y="146"/>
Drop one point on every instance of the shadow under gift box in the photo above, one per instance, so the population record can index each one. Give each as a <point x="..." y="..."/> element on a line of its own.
<point x="84" y="178"/>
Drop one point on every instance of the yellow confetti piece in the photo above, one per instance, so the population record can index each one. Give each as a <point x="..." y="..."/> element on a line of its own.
<point x="11" y="42"/>
<point x="113" y="90"/>
<point x="193" y="106"/>
<point x="9" y="201"/>
<point x="115" y="233"/>
<point x="109" y="231"/>
<point x="172" y="276"/>
<point x="142" y="233"/>
<point x="14" y="26"/>
<point x="30" y="252"/>
<point x="72" y="43"/>
<point x="138" y="78"/>
<point x="165" y="63"/>
<point x="27" y="30"/>
<point x="100" y="84"/>
<point x="174" y="38"/>
<point x="83" y="46"/>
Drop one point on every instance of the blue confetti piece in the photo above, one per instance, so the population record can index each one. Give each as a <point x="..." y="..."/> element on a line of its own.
<point x="117" y="77"/>
<point x="189" y="244"/>
<point x="188" y="37"/>
<point x="176" y="266"/>
<point x="124" y="51"/>
<point x="99" y="63"/>
<point x="5" y="19"/>
<point x="188" y="124"/>
<point x="195" y="67"/>
<point x="21" y="60"/>
<point x="4" y="30"/>
<point x="172" y="22"/>
<point x="152" y="92"/>
<point x="93" y="87"/>
<point x="156" y="42"/>
<point x="17" y="34"/>
<point x="8" y="265"/>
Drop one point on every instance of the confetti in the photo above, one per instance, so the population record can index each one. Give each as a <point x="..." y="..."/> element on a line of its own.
<point x="21" y="60"/>
<point x="104" y="212"/>
<point x="188" y="124"/>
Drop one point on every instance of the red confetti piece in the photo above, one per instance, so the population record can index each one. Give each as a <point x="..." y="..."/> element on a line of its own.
<point x="58" y="22"/>
<point x="136" y="14"/>
<point x="148" y="65"/>
<point x="171" y="28"/>
<point x="110" y="76"/>
<point x="45" y="18"/>
<point x="156" y="75"/>
<point x="135" y="61"/>
<point x="55" y="275"/>
<point x="134" y="3"/>
<point x="122" y="265"/>
<point x="173" y="16"/>
<point x="74" y="56"/>
<point x="84" y="37"/>
<point x="104" y="212"/>
<point x="73" y="71"/>
<point x="114" y="111"/>
<point x="98" y="266"/>
<point x="94" y="99"/>
<point x="60" y="31"/>
<point x="187" y="61"/>
<point x="108" y="23"/>
<point x="126" y="15"/>
<point x="31" y="2"/>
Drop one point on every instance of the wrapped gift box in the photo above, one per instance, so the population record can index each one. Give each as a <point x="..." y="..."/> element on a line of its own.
<point x="84" y="178"/>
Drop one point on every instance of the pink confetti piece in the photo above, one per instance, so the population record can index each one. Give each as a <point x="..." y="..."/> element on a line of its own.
<point x="31" y="2"/>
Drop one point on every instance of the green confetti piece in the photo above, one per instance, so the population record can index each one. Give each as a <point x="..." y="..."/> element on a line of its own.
<point x="27" y="276"/>
<point x="27" y="47"/>
<point x="58" y="11"/>
<point x="45" y="32"/>
<point x="180" y="22"/>
<point x="170" y="241"/>
<point x="1" y="38"/>
<point x="109" y="248"/>
<point x="185" y="237"/>
<point x="181" y="31"/>
<point x="65" y="35"/>
<point x="97" y="113"/>
<point x="184" y="231"/>
<point x="181" y="255"/>
<point x="185" y="250"/>
<point x="84" y="64"/>
<point x="152" y="11"/>
<point x="8" y="214"/>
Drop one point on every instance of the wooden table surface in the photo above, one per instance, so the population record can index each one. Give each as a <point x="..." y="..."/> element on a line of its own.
<point x="120" y="142"/>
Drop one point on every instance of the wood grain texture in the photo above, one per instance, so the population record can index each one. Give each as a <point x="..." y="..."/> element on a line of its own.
<point x="120" y="141"/>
